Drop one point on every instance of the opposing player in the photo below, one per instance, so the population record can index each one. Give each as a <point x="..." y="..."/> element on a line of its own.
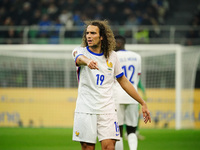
<point x="98" y="67"/>
<point x="127" y="109"/>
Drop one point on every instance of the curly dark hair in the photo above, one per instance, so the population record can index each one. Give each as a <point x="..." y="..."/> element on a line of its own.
<point x="108" y="43"/>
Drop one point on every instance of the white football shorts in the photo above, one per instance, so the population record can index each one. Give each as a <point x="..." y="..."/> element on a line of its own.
<point x="128" y="114"/>
<point x="87" y="127"/>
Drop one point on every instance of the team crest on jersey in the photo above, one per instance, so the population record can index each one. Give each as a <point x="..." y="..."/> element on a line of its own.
<point x="109" y="64"/>
<point x="77" y="133"/>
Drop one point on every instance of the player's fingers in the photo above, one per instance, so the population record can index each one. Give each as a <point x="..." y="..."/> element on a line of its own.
<point x="144" y="116"/>
<point x="95" y="65"/>
<point x="95" y="62"/>
<point x="147" y="117"/>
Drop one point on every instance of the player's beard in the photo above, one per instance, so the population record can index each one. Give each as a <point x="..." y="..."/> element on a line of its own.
<point x="96" y="45"/>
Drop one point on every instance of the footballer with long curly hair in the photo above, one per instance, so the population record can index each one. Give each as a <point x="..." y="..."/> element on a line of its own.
<point x="98" y="68"/>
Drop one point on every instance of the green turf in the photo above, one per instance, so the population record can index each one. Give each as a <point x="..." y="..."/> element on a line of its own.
<point x="170" y="140"/>
<point x="61" y="139"/>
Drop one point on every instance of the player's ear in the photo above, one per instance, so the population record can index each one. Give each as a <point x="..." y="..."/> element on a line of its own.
<point x="101" y="38"/>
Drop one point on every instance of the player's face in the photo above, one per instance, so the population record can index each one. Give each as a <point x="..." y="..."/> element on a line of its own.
<point x="93" y="37"/>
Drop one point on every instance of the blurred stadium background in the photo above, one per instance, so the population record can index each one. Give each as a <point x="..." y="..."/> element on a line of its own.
<point x="38" y="84"/>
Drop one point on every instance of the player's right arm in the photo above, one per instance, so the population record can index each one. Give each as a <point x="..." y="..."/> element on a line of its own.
<point x="83" y="60"/>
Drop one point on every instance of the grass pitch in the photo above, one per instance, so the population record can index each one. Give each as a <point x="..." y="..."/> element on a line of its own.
<point x="61" y="139"/>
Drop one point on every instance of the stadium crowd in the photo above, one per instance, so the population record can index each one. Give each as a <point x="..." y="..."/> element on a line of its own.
<point x="193" y="35"/>
<point x="71" y="13"/>
<point x="118" y="12"/>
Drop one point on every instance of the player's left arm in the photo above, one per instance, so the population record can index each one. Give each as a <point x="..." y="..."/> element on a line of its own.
<point x="129" y="88"/>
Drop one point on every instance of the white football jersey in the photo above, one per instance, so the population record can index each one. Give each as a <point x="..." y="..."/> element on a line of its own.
<point x="95" y="89"/>
<point x="131" y="65"/>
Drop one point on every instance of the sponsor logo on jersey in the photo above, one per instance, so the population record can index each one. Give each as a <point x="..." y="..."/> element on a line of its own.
<point x="117" y="134"/>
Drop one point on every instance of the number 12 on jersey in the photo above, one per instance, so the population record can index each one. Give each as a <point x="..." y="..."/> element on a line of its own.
<point x="129" y="68"/>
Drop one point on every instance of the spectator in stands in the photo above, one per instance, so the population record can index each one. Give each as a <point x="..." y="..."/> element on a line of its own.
<point x="124" y="15"/>
<point x="2" y="15"/>
<point x="100" y="11"/>
<point x="66" y="18"/>
<point x="106" y="9"/>
<point x="8" y="21"/>
<point x="25" y="16"/>
<point x="142" y="4"/>
<point x="162" y="8"/>
<point x="77" y="18"/>
<point x="132" y="20"/>
<point x="52" y="11"/>
<point x="11" y="37"/>
<point x="196" y="20"/>
<point x="44" y="25"/>
<point x="36" y="17"/>
<point x="113" y="14"/>
<point x="192" y="37"/>
<point x="142" y="36"/>
<point x="54" y="33"/>
<point x="73" y="12"/>
<point x="90" y="10"/>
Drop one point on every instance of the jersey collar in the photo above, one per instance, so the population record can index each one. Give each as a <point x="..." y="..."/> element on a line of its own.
<point x="97" y="54"/>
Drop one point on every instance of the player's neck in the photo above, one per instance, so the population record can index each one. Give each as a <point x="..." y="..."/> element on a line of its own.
<point x="95" y="49"/>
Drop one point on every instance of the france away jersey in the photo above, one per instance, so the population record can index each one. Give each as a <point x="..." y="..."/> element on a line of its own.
<point x="95" y="89"/>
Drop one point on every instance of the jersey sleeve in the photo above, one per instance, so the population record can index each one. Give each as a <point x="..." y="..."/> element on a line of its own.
<point x="77" y="52"/>
<point x="118" y="70"/>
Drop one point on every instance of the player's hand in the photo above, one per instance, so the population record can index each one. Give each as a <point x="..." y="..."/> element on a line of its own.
<point x="92" y="64"/>
<point x="146" y="113"/>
